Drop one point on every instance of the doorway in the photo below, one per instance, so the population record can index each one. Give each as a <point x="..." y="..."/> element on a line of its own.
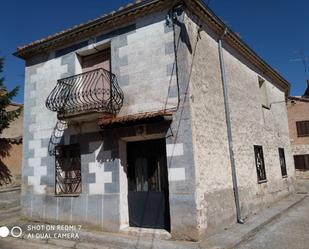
<point x="148" y="196"/>
<point x="97" y="79"/>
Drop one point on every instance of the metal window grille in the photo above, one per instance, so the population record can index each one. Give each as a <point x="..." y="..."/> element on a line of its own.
<point x="260" y="165"/>
<point x="302" y="128"/>
<point x="68" y="170"/>
<point x="282" y="162"/>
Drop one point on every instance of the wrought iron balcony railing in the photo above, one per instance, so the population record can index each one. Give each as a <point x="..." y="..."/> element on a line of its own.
<point x="89" y="92"/>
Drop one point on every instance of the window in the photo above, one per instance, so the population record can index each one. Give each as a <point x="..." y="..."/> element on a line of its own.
<point x="282" y="162"/>
<point x="259" y="162"/>
<point x="68" y="170"/>
<point x="263" y="93"/>
<point x="302" y="128"/>
<point x="301" y="162"/>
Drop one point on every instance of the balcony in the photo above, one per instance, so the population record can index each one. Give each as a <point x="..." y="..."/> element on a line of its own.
<point x="92" y="92"/>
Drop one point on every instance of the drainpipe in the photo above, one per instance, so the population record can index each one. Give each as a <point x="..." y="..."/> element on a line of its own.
<point x="229" y="128"/>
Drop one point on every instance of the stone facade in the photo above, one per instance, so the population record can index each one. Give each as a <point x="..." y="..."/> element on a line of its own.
<point x="199" y="172"/>
<point x="251" y="124"/>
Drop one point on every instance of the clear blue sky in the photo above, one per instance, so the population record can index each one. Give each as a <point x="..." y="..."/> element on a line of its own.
<point x="275" y="29"/>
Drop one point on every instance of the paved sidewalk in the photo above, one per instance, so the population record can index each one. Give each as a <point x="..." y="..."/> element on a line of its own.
<point x="290" y="231"/>
<point x="9" y="205"/>
<point x="238" y="233"/>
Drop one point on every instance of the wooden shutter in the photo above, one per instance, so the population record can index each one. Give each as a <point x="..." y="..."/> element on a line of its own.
<point x="302" y="128"/>
<point x="97" y="60"/>
<point x="301" y="162"/>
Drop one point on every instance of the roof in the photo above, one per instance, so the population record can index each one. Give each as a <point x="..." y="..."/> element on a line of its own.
<point x="298" y="98"/>
<point x="127" y="13"/>
<point x="106" y="20"/>
<point x="145" y="116"/>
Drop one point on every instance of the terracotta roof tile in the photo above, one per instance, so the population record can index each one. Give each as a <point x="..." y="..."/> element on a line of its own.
<point x="196" y="6"/>
<point x="133" y="118"/>
<point x="55" y="35"/>
<point x="302" y="99"/>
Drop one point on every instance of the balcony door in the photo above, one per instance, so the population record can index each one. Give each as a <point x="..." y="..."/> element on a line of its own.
<point x="97" y="78"/>
<point x="148" y="184"/>
<point x="97" y="60"/>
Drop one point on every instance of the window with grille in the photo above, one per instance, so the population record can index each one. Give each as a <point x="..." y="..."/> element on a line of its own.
<point x="301" y="162"/>
<point x="282" y="162"/>
<point x="68" y="170"/>
<point x="302" y="128"/>
<point x="259" y="162"/>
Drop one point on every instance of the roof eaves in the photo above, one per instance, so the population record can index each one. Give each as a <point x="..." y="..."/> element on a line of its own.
<point x="62" y="35"/>
<point x="219" y="27"/>
<point x="216" y="24"/>
<point x="103" y="122"/>
<point x="298" y="98"/>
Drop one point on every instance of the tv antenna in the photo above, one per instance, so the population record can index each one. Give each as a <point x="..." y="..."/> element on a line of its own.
<point x="301" y="57"/>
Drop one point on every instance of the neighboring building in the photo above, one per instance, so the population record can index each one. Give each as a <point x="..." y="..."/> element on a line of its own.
<point x="298" y="114"/>
<point x="11" y="151"/>
<point x="128" y="137"/>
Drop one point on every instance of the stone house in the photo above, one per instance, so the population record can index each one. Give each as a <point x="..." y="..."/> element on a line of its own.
<point x="11" y="151"/>
<point x="298" y="115"/>
<point x="155" y="116"/>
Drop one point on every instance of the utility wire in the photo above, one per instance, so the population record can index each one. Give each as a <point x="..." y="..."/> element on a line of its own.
<point x="175" y="64"/>
<point x="185" y="97"/>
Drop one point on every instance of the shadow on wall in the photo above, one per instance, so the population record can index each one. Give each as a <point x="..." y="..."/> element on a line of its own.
<point x="5" y="173"/>
<point x="183" y="35"/>
<point x="110" y="144"/>
<point x="57" y="137"/>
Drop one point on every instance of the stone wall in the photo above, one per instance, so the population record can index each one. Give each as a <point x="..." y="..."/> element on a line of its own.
<point x="251" y="125"/>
